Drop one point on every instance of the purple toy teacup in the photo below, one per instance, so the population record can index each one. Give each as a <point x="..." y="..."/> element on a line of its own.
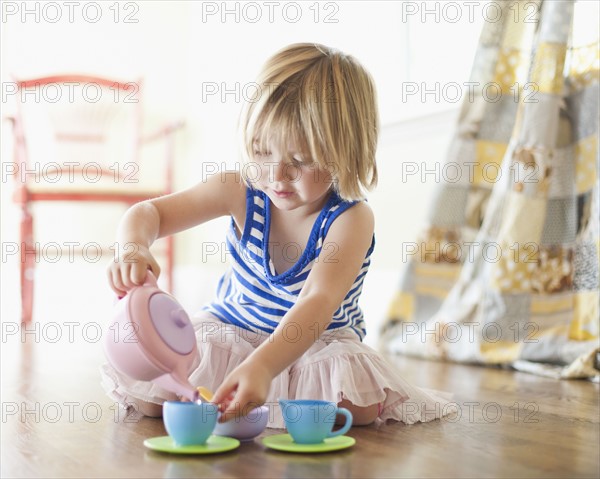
<point x="244" y="428"/>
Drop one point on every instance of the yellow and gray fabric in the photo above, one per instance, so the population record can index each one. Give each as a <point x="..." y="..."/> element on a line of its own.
<point x="506" y="270"/>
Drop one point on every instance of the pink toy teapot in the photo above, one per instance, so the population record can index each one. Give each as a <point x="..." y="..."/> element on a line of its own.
<point x="151" y="338"/>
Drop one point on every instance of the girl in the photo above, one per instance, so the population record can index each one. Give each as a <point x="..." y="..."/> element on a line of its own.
<point x="286" y="321"/>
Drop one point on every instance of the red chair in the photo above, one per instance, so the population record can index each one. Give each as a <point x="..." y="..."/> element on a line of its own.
<point x="81" y="138"/>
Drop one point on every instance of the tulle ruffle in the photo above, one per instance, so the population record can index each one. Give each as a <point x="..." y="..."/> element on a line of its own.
<point x="337" y="366"/>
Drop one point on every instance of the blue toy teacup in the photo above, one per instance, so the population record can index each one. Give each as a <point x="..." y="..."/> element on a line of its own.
<point x="189" y="423"/>
<point x="310" y="421"/>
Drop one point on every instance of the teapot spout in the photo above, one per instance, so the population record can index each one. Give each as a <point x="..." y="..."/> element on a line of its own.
<point x="177" y="386"/>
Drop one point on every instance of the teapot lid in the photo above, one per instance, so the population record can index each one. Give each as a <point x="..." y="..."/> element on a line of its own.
<point x="172" y="323"/>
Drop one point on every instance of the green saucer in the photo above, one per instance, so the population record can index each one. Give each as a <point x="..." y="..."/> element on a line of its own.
<point x="284" y="442"/>
<point x="213" y="445"/>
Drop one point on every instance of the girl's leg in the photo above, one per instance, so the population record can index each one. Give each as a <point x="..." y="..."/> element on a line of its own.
<point x="151" y="409"/>
<point x="146" y="408"/>
<point x="361" y="416"/>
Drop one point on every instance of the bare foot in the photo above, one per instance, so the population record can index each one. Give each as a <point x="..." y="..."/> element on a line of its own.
<point x="362" y="416"/>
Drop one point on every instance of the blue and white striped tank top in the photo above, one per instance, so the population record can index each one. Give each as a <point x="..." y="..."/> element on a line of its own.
<point x="252" y="296"/>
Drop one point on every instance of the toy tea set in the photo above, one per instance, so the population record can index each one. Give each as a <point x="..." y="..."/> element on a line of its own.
<point x="155" y="341"/>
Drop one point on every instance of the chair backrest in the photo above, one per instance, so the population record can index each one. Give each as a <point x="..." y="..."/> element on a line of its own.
<point x="83" y="129"/>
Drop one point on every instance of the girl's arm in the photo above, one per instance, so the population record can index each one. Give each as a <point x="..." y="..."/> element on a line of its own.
<point x="144" y="222"/>
<point x="323" y="292"/>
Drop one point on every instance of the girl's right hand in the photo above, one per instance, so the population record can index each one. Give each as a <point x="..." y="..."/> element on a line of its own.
<point x="129" y="268"/>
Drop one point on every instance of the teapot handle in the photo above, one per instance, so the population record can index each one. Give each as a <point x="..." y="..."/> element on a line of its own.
<point x="150" y="279"/>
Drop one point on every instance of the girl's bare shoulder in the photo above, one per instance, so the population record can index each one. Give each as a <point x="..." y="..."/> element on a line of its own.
<point x="359" y="215"/>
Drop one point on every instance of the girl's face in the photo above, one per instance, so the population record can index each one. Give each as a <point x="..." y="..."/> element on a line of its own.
<point x="290" y="179"/>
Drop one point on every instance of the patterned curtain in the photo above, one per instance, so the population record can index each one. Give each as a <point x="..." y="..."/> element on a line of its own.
<point x="506" y="269"/>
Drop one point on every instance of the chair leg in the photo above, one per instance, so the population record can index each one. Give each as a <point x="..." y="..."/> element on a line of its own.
<point x="27" y="267"/>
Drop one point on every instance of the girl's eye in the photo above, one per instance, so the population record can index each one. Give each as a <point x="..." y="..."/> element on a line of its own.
<point x="261" y="153"/>
<point x="299" y="162"/>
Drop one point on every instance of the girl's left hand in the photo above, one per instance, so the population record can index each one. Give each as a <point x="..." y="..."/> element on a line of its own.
<point x="245" y="388"/>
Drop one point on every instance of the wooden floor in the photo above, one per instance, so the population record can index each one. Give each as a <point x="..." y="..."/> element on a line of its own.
<point x="56" y="422"/>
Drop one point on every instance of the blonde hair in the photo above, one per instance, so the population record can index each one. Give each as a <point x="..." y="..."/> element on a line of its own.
<point x="323" y="101"/>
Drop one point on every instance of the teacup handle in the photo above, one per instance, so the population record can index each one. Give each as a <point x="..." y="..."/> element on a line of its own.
<point x="346" y="426"/>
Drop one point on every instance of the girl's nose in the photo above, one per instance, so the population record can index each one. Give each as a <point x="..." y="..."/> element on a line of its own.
<point x="279" y="171"/>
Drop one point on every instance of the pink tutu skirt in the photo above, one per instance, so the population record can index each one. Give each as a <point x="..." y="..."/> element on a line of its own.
<point x="337" y="366"/>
